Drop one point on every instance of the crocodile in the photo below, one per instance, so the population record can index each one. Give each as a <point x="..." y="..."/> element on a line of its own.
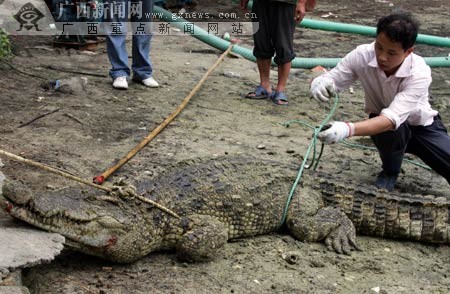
<point x="216" y="200"/>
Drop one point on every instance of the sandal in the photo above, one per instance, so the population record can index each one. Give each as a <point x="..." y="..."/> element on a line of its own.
<point x="279" y="98"/>
<point x="259" y="93"/>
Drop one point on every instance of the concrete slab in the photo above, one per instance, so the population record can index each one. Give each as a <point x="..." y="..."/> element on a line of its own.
<point x="24" y="246"/>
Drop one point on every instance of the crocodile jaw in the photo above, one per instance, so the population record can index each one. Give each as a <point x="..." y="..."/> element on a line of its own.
<point x="86" y="228"/>
<point x="88" y="232"/>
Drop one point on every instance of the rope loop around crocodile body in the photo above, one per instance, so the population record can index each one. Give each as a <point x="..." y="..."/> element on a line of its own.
<point x="315" y="159"/>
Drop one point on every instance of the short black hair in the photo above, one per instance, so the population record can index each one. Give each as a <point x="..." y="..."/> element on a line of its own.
<point x="399" y="26"/>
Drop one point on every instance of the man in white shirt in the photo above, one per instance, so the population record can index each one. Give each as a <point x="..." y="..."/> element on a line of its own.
<point x="396" y="83"/>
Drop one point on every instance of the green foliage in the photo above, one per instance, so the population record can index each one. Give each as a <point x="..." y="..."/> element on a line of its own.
<point x="5" y="45"/>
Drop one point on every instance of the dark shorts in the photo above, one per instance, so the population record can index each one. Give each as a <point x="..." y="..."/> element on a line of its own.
<point x="275" y="35"/>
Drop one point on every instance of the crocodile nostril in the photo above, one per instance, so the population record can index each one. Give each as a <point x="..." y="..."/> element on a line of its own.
<point x="17" y="192"/>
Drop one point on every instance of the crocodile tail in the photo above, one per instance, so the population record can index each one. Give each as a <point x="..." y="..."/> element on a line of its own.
<point x="395" y="215"/>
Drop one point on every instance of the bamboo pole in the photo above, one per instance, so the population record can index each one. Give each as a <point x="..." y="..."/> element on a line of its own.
<point x="83" y="181"/>
<point x="101" y="178"/>
<point x="52" y="170"/>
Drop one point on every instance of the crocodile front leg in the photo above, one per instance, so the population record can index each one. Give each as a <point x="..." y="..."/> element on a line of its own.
<point x="308" y="220"/>
<point x="206" y="236"/>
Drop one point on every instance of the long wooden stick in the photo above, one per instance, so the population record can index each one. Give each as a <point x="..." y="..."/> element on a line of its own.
<point x="80" y="180"/>
<point x="100" y="179"/>
<point x="52" y="170"/>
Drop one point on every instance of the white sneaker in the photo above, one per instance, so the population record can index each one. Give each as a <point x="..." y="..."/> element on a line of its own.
<point x="150" y="82"/>
<point x="120" y="83"/>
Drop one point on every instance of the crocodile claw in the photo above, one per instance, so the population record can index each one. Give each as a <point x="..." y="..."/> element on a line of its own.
<point x="342" y="240"/>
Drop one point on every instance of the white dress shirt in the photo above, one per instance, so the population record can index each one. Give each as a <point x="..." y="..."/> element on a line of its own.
<point x="400" y="97"/>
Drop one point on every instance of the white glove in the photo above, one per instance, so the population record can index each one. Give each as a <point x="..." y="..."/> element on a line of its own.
<point x="337" y="131"/>
<point x="322" y="88"/>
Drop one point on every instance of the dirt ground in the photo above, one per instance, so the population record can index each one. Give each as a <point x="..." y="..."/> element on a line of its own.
<point x="92" y="129"/>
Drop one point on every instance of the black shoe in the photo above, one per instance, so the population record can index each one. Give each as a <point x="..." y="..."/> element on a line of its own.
<point x="386" y="181"/>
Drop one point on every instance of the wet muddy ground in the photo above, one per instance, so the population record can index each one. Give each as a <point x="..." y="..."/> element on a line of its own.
<point x="90" y="130"/>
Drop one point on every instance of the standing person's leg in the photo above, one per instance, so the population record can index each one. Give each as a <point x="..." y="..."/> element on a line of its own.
<point x="263" y="50"/>
<point x="142" y="67"/>
<point x="264" y="73"/>
<point x="118" y="56"/>
<point x="391" y="146"/>
<point x="282" y="18"/>
<point x="142" y="36"/>
<point x="283" y="75"/>
<point x="432" y="144"/>
<point x="116" y="47"/>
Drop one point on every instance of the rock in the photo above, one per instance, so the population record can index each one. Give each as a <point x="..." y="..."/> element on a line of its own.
<point x="317" y="263"/>
<point x="291" y="257"/>
<point x="22" y="246"/>
<point x="231" y="74"/>
<point x="76" y="84"/>
<point x="73" y="85"/>
<point x="375" y="290"/>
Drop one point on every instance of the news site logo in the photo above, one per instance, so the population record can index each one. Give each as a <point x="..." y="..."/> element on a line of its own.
<point x="28" y="16"/>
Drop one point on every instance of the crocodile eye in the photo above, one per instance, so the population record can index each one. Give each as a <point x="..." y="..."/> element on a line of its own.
<point x="109" y="222"/>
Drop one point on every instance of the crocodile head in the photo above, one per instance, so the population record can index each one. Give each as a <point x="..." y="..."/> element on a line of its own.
<point x="100" y="225"/>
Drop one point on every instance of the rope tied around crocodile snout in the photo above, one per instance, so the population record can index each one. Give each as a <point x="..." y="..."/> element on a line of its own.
<point x="125" y="191"/>
<point x="121" y="190"/>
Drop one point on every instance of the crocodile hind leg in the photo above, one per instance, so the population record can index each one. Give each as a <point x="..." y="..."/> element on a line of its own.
<point x="308" y="220"/>
<point x="206" y="236"/>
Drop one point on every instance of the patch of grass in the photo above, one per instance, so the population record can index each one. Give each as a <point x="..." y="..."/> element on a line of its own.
<point x="5" y="45"/>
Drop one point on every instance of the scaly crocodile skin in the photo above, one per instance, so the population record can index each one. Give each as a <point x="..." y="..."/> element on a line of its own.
<point x="221" y="199"/>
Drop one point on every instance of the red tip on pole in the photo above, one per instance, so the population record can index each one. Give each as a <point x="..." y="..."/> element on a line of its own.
<point x="98" y="180"/>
